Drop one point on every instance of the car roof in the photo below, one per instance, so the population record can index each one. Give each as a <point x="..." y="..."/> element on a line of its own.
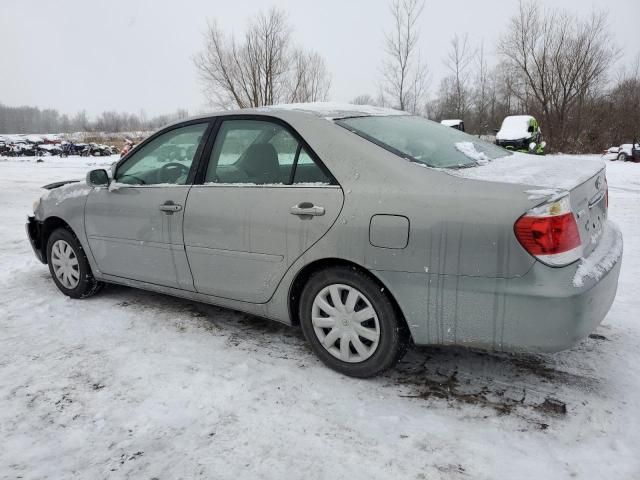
<point x="324" y="110"/>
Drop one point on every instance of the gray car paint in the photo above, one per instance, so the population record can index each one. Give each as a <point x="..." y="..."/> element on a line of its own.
<point x="131" y="238"/>
<point x="249" y="233"/>
<point x="462" y="278"/>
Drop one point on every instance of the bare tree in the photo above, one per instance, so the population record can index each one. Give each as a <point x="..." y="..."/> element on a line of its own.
<point x="263" y="69"/>
<point x="483" y="94"/>
<point x="561" y="62"/>
<point x="405" y="75"/>
<point x="365" y="99"/>
<point x="310" y="80"/>
<point x="458" y="61"/>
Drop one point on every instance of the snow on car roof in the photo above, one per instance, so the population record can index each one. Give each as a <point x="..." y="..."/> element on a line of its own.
<point x="514" y="127"/>
<point x="333" y="110"/>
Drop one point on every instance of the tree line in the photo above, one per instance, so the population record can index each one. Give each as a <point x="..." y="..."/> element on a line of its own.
<point x="35" y="120"/>
<point x="551" y="64"/>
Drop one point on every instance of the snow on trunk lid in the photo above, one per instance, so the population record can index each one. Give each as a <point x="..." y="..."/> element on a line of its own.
<point x="555" y="172"/>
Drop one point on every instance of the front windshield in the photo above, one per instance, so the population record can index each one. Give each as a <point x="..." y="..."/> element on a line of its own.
<point x="423" y="141"/>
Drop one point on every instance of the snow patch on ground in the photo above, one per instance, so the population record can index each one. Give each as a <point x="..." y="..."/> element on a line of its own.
<point x="131" y="384"/>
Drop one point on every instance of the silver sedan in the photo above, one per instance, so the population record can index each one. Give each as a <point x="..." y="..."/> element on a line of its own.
<point x="370" y="228"/>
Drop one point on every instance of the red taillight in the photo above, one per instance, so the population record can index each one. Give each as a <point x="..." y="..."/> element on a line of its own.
<point x="548" y="235"/>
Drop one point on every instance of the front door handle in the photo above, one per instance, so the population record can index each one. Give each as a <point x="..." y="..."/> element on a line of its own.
<point x="307" y="209"/>
<point x="170" y="208"/>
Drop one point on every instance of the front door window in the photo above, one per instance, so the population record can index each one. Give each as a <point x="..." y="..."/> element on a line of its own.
<point x="165" y="160"/>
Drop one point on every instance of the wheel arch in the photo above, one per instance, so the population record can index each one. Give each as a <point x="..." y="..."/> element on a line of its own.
<point x="49" y="225"/>
<point x="301" y="278"/>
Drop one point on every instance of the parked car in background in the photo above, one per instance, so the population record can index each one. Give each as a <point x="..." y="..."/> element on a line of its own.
<point x="521" y="133"/>
<point x="51" y="145"/>
<point x="457" y="124"/>
<point x="70" y="148"/>
<point x="48" y="149"/>
<point x="368" y="227"/>
<point x="627" y="152"/>
<point x="611" y="154"/>
<point x="23" y="149"/>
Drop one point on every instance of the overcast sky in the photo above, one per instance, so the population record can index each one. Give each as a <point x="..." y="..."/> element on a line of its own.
<point x="130" y="55"/>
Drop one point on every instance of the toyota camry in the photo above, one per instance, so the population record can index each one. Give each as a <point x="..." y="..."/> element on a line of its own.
<point x="370" y="228"/>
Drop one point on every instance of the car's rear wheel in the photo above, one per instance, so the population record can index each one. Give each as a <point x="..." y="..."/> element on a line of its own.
<point x="622" y="157"/>
<point x="69" y="266"/>
<point x="351" y="323"/>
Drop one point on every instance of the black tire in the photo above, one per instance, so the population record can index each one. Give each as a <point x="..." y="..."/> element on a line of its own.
<point x="394" y="337"/>
<point x="87" y="284"/>
<point x="622" y="157"/>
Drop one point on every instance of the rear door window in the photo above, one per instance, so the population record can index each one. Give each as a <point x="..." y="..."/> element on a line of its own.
<point x="259" y="152"/>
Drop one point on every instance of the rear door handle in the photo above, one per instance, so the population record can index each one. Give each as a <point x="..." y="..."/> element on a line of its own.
<point x="170" y="208"/>
<point x="307" y="209"/>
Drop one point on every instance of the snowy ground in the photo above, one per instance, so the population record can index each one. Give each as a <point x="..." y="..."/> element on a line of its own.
<point x="130" y="384"/>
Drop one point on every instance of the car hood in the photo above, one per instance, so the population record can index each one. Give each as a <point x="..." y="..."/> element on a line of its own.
<point x="67" y="191"/>
<point x="51" y="186"/>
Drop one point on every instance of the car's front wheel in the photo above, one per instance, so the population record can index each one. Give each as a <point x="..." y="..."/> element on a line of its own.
<point x="622" y="157"/>
<point x="351" y="322"/>
<point x="69" y="266"/>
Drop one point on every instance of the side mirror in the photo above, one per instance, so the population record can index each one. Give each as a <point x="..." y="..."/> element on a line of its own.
<point x="98" y="178"/>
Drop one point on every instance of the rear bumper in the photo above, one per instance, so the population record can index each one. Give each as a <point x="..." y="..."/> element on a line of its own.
<point x="34" y="233"/>
<point x="542" y="311"/>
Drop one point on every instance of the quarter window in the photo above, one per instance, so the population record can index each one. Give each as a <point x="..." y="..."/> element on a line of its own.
<point x="165" y="159"/>
<point x="307" y="171"/>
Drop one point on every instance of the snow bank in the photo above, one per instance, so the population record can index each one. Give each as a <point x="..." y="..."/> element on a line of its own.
<point x="602" y="258"/>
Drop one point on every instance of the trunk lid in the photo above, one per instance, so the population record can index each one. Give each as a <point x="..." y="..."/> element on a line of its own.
<point x="544" y="178"/>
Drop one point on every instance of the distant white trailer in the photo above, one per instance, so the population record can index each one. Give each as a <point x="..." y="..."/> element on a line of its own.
<point x="457" y="124"/>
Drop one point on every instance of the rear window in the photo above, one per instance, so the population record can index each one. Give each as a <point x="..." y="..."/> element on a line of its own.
<point x="423" y="141"/>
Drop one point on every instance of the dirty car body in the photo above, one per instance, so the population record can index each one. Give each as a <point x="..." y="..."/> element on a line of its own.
<point x="455" y="241"/>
